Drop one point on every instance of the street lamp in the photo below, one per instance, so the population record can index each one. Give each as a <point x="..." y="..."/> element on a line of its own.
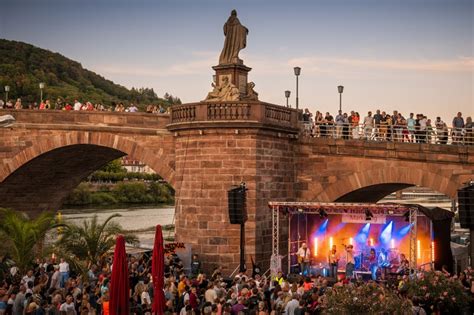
<point x="7" y="89"/>
<point x="340" y="89"/>
<point x="287" y="95"/>
<point x="297" y="74"/>
<point x="41" y="86"/>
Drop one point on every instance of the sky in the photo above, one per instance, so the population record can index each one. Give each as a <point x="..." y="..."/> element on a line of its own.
<point x="410" y="55"/>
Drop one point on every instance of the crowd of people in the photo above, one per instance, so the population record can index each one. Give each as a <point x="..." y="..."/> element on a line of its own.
<point x="60" y="104"/>
<point x="383" y="126"/>
<point x="55" y="288"/>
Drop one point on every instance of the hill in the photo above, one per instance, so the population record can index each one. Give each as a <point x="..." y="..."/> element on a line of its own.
<point x="24" y="66"/>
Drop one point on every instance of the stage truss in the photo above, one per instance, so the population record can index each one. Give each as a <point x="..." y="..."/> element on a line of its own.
<point x="411" y="211"/>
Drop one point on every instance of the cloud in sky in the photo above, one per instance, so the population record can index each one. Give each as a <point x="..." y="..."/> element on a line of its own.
<point x="200" y="62"/>
<point x="322" y="64"/>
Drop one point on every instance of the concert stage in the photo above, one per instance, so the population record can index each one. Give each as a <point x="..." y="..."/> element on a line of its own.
<point x="393" y="229"/>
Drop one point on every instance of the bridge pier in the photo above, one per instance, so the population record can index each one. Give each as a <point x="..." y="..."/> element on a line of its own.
<point x="213" y="156"/>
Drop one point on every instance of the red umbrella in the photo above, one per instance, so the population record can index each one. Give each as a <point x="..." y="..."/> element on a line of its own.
<point x="157" y="271"/>
<point x="119" y="287"/>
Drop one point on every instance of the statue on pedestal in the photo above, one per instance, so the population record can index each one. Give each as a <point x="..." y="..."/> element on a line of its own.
<point x="223" y="92"/>
<point x="235" y="40"/>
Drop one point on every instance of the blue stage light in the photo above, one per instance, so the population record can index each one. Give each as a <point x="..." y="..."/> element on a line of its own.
<point x="322" y="229"/>
<point x="403" y="231"/>
<point x="363" y="234"/>
<point x="386" y="234"/>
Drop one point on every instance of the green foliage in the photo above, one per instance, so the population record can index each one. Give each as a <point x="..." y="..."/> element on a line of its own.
<point x="103" y="198"/>
<point x="114" y="166"/>
<point x="91" y="240"/>
<point x="102" y="176"/>
<point x="132" y="193"/>
<point x="21" y="235"/>
<point x="365" y="298"/>
<point x="82" y="195"/>
<point x="24" y="66"/>
<point x="162" y="193"/>
<point x="123" y="192"/>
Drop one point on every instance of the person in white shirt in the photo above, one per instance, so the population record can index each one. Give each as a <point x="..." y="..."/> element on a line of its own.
<point x="304" y="255"/>
<point x="64" y="272"/>
<point x="55" y="278"/>
<point x="68" y="307"/>
<point x="133" y="109"/>
<point x="27" y="278"/>
<point x="350" y="261"/>
<point x="368" y="125"/>
<point x="210" y="295"/>
<point x="77" y="105"/>
<point x="292" y="305"/>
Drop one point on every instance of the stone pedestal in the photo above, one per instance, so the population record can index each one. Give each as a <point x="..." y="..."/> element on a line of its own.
<point x="237" y="74"/>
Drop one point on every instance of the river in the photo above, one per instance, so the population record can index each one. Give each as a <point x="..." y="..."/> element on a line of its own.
<point x="142" y="220"/>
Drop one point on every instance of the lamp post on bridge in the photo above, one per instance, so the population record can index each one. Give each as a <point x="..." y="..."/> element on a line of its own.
<point x="297" y="74"/>
<point x="287" y="95"/>
<point x="340" y="89"/>
<point x="7" y="89"/>
<point x="41" y="86"/>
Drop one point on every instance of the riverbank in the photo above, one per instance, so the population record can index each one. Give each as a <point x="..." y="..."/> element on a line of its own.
<point x="141" y="219"/>
<point x="106" y="194"/>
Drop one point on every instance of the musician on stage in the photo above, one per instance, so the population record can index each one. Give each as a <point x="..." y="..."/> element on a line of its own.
<point x="383" y="262"/>
<point x="333" y="260"/>
<point x="304" y="256"/>
<point x="373" y="263"/>
<point x="404" y="264"/>
<point x="350" y="261"/>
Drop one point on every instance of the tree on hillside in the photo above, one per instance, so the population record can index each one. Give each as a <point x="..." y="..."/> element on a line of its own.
<point x="90" y="241"/>
<point x="24" y="66"/>
<point x="21" y="236"/>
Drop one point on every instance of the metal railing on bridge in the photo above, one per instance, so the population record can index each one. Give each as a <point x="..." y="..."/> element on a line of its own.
<point x="395" y="133"/>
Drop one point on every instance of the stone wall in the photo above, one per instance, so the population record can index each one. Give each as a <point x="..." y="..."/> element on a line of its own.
<point x="208" y="165"/>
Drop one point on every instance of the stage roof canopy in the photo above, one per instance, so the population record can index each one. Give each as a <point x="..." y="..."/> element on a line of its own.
<point x="394" y="209"/>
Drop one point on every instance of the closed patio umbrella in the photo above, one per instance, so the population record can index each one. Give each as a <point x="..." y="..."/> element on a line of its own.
<point x="119" y="283"/>
<point x="157" y="271"/>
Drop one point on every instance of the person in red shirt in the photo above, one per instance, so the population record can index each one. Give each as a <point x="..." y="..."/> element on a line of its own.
<point x="193" y="299"/>
<point x="105" y="305"/>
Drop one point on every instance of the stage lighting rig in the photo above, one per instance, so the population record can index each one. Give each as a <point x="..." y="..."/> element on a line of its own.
<point x="368" y="215"/>
<point x="407" y="216"/>
<point x="322" y="213"/>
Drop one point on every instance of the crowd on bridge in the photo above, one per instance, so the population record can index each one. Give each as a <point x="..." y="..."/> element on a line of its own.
<point x="52" y="287"/>
<point x="383" y="126"/>
<point x="76" y="105"/>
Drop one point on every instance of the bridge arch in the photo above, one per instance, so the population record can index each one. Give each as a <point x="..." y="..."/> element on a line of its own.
<point x="371" y="185"/>
<point x="42" y="174"/>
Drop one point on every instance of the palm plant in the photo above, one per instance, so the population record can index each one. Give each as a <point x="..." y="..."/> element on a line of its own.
<point x="90" y="241"/>
<point x="21" y="236"/>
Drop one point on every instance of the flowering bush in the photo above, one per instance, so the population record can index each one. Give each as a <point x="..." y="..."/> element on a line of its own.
<point x="436" y="290"/>
<point x="365" y="298"/>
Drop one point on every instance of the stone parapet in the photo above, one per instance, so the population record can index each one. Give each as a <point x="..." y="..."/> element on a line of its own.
<point x="89" y="118"/>
<point x="238" y="114"/>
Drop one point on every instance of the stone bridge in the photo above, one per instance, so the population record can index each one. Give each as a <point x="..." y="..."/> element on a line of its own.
<point x="202" y="149"/>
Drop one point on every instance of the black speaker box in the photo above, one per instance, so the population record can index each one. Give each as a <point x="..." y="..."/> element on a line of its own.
<point x="466" y="207"/>
<point x="237" y="205"/>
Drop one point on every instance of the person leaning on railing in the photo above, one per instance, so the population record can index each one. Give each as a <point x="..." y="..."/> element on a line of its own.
<point x="458" y="126"/>
<point x="469" y="128"/>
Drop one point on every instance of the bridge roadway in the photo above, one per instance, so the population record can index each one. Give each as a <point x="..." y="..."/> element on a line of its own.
<point x="202" y="149"/>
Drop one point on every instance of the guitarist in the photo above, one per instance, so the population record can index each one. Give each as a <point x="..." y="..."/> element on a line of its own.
<point x="304" y="255"/>
<point x="333" y="259"/>
<point x="350" y="261"/>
